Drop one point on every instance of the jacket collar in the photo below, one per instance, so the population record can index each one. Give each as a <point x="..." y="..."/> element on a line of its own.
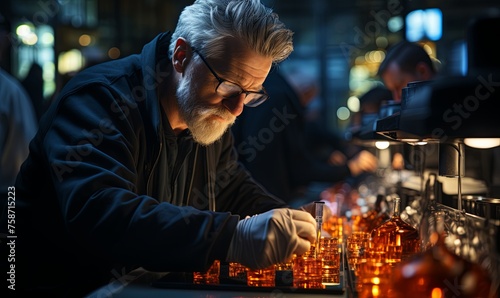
<point x="155" y="69"/>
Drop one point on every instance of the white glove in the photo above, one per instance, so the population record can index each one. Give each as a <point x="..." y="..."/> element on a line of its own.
<point x="271" y="237"/>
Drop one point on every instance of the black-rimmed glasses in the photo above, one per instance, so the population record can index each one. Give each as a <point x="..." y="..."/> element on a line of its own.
<point x="227" y="89"/>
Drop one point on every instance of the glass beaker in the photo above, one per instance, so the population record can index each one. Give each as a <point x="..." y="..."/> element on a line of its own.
<point x="307" y="270"/>
<point x="261" y="277"/>
<point x="396" y="232"/>
<point x="211" y="276"/>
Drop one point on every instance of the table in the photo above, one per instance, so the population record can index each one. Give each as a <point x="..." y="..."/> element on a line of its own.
<point x="142" y="283"/>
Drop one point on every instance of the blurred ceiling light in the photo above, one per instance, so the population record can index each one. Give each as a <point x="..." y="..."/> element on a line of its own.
<point x="47" y="39"/>
<point x="360" y="72"/>
<point x="395" y="23"/>
<point x="30" y="40"/>
<point x="482" y="143"/>
<point x="382" y="145"/>
<point x="343" y="113"/>
<point x="23" y="30"/>
<point x="114" y="53"/>
<point x="84" y="40"/>
<point x="377" y="56"/>
<point x="70" y="61"/>
<point x="414" y="142"/>
<point x="353" y="103"/>
<point x="48" y="71"/>
<point x="26" y="33"/>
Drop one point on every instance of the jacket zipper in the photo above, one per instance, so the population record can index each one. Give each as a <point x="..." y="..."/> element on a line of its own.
<point x="188" y="197"/>
<point x="210" y="181"/>
<point x="152" y="168"/>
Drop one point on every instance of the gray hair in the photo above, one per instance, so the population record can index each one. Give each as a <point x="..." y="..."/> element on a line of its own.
<point x="206" y="23"/>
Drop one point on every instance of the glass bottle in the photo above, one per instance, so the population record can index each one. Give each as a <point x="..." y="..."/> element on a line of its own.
<point x="374" y="217"/>
<point x="396" y="235"/>
<point x="437" y="272"/>
<point x="381" y="214"/>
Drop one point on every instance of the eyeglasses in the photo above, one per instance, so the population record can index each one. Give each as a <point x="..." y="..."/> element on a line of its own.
<point x="228" y="89"/>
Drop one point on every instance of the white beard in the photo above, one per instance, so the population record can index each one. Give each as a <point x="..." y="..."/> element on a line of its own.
<point x="201" y="120"/>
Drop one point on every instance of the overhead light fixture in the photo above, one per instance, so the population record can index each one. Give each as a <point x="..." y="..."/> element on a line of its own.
<point x="482" y="143"/>
<point x="417" y="143"/>
<point x="382" y="145"/>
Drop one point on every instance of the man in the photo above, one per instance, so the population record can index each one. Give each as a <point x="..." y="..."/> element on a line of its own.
<point x="272" y="144"/>
<point x="17" y="127"/>
<point x="405" y="62"/>
<point x="134" y="165"/>
<point x="18" y="123"/>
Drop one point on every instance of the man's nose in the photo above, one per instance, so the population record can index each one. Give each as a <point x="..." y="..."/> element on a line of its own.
<point x="235" y="104"/>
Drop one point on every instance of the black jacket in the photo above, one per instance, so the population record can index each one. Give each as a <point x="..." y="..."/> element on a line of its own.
<point x="107" y="183"/>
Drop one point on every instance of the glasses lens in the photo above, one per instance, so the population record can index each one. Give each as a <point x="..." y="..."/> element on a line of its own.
<point x="227" y="89"/>
<point x="255" y="99"/>
<point x="252" y="99"/>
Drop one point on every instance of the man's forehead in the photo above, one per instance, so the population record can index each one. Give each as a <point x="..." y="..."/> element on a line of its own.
<point x="240" y="59"/>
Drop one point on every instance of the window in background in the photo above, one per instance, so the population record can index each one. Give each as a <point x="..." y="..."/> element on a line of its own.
<point x="424" y="24"/>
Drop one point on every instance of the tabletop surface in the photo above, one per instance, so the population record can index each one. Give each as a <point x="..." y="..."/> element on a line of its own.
<point x="144" y="284"/>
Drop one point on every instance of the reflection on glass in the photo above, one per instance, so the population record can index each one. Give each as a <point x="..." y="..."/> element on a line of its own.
<point x="261" y="277"/>
<point x="307" y="271"/>
<point x="438" y="272"/>
<point x="396" y="232"/>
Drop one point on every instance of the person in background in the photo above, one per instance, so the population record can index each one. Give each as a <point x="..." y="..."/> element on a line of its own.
<point x="18" y="123"/>
<point x="405" y="62"/>
<point x="134" y="165"/>
<point x="18" y="126"/>
<point x="33" y="83"/>
<point x="271" y="143"/>
<point x="370" y="103"/>
<point x="364" y="120"/>
<point x="369" y="107"/>
<point x="324" y="144"/>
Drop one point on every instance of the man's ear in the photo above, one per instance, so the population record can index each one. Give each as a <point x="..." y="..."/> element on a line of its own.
<point x="181" y="55"/>
<point x="423" y="70"/>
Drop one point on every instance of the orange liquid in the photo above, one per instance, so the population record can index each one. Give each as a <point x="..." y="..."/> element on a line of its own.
<point x="438" y="273"/>
<point x="307" y="272"/>
<point x="396" y="232"/>
<point x="211" y="276"/>
<point x="261" y="277"/>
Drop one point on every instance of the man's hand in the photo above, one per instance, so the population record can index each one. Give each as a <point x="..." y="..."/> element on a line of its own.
<point x="364" y="161"/>
<point x="272" y="237"/>
<point x="337" y="158"/>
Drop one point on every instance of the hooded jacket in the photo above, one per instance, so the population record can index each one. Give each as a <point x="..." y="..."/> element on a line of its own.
<point x="109" y="187"/>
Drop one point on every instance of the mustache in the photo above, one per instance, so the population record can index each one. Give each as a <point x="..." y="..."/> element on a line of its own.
<point x="218" y="111"/>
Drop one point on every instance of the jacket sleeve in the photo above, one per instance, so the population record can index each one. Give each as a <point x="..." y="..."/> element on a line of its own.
<point x="93" y="147"/>
<point x="236" y="190"/>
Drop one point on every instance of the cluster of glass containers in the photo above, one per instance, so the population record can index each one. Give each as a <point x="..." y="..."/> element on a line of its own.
<point x="391" y="258"/>
<point x="318" y="268"/>
<point x="386" y="257"/>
